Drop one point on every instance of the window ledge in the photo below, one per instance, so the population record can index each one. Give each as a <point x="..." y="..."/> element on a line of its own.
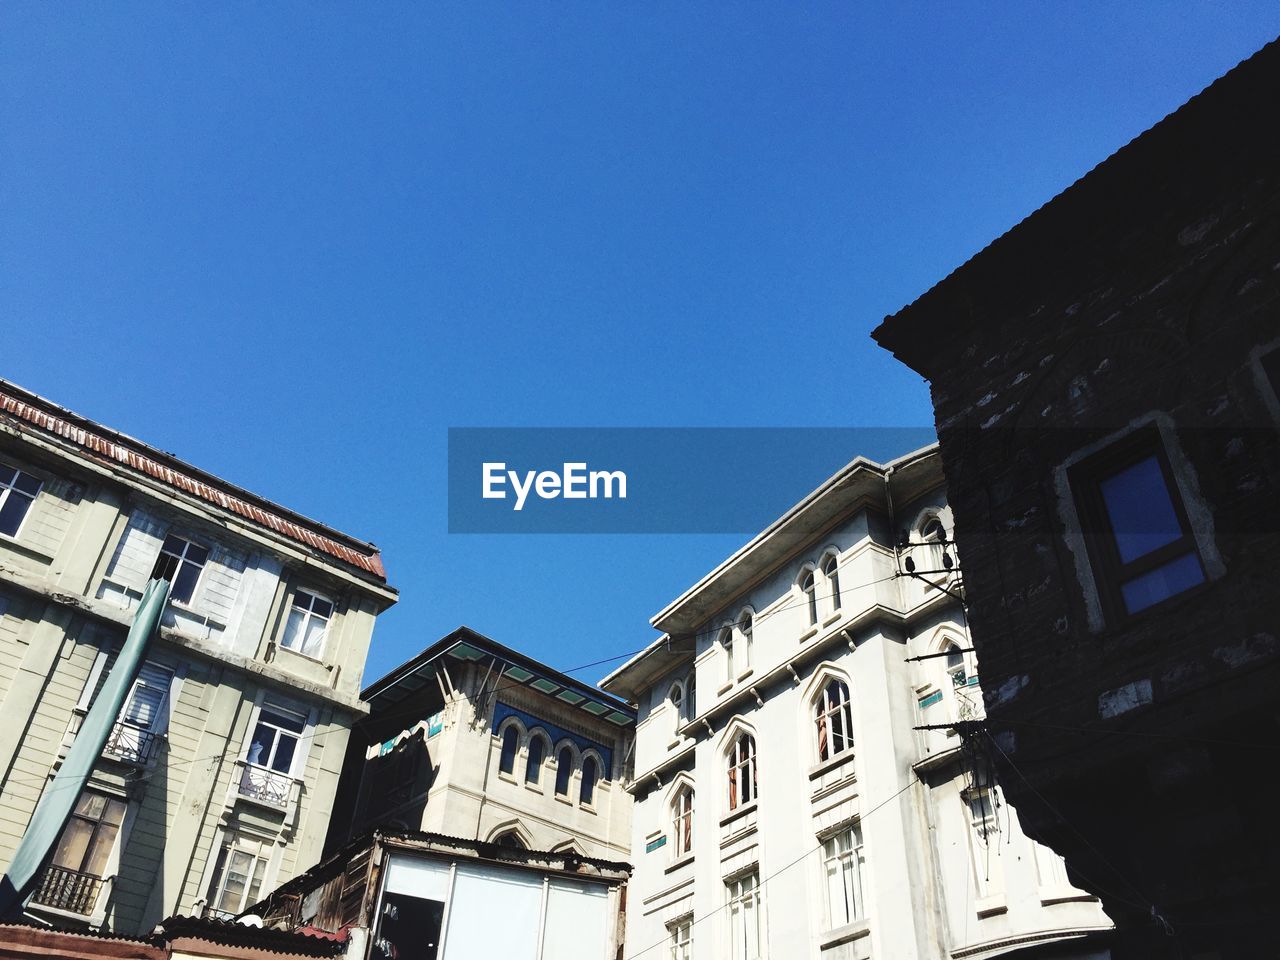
<point x="818" y="769"/>
<point x="845" y="934"/>
<point x="832" y="619"/>
<point x="724" y="689"/>
<point x="30" y="551"/>
<point x="1052" y="895"/>
<point x="683" y="860"/>
<point x="510" y="778"/>
<point x="808" y="634"/>
<point x="738" y="813"/>
<point x="305" y="656"/>
<point x="746" y="673"/>
<point x="533" y="787"/>
<point x="991" y="906"/>
<point x="565" y="800"/>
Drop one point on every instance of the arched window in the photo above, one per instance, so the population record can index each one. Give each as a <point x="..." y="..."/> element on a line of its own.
<point x="833" y="714"/>
<point x="675" y="696"/>
<point x="933" y="531"/>
<point x="742" y="771"/>
<point x="955" y="665"/>
<point x="511" y="840"/>
<point x="590" y="773"/>
<point x="690" y="698"/>
<point x="537" y="750"/>
<point x="682" y="821"/>
<point x="742" y="641"/>
<point x="809" y="587"/>
<point x="831" y="570"/>
<point x="510" y="743"/>
<point x="727" y="644"/>
<point x="564" y="770"/>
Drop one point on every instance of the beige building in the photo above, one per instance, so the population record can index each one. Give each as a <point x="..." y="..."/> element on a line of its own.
<point x="788" y="804"/>
<point x="217" y="781"/>
<point x="472" y="739"/>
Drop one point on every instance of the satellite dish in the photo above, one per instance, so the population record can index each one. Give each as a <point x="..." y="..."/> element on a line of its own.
<point x="250" y="920"/>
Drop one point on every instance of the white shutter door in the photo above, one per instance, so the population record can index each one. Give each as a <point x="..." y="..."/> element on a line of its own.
<point x="493" y="914"/>
<point x="577" y="926"/>
<point x="148" y="696"/>
<point x="137" y="550"/>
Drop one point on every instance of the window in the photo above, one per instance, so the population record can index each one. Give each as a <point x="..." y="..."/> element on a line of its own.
<point x="510" y="744"/>
<point x="237" y="877"/>
<point x="275" y="738"/>
<point x="690" y="698"/>
<point x="744" y="917"/>
<point x="564" y="770"/>
<point x="682" y="821"/>
<point x="932" y="531"/>
<point x="955" y="665"/>
<point x="537" y="750"/>
<point x="728" y="645"/>
<point x="17" y="492"/>
<point x="842" y="870"/>
<point x="133" y="737"/>
<point x="74" y="875"/>
<point x="1139" y="539"/>
<point x="675" y="696"/>
<point x="742" y="641"/>
<point x="180" y="562"/>
<point x="984" y="826"/>
<point x="308" y="623"/>
<point x="681" y="939"/>
<point x="742" y="771"/>
<point x="831" y="570"/>
<point x="510" y="840"/>
<point x="809" y="587"/>
<point x="833" y="714"/>
<point x="590" y="774"/>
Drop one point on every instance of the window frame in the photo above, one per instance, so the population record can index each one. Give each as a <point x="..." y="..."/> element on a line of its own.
<point x="309" y="613"/>
<point x="741" y="760"/>
<point x="512" y="730"/>
<point x="1110" y="573"/>
<point x="808" y="584"/>
<point x="566" y="761"/>
<point x="739" y="897"/>
<point x="824" y="708"/>
<point x="855" y="855"/>
<point x="181" y="559"/>
<point x="682" y="823"/>
<point x="8" y="488"/>
<point x="544" y="746"/>
<point x="830" y="568"/>
<point x="589" y="786"/>
<point x="256" y="879"/>
<point x="297" y="758"/>
<point x="681" y="938"/>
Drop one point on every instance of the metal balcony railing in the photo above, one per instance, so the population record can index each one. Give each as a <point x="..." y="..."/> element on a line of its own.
<point x="130" y="744"/>
<point x="267" y="786"/>
<point x="68" y="890"/>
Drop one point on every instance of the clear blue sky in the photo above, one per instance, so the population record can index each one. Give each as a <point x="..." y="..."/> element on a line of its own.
<point x="294" y="243"/>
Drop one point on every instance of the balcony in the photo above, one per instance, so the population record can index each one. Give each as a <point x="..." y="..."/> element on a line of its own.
<point x="267" y="787"/>
<point x="130" y="744"/>
<point x="69" y="890"/>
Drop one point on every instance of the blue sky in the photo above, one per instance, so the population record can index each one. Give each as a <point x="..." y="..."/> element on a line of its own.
<point x="295" y="243"/>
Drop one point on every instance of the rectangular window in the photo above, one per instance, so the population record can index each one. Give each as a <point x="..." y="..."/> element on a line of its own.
<point x="681" y="939"/>
<point x="308" y="623"/>
<point x="275" y="738"/>
<point x="237" y="877"/>
<point x="133" y="738"/>
<point x="180" y="562"/>
<point x="74" y="875"/>
<point x="842" y="866"/>
<point x="744" y="917"/>
<point x="1140" y="541"/>
<point x="17" y="492"/>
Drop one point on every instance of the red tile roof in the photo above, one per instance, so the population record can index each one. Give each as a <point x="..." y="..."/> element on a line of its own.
<point x="117" y="450"/>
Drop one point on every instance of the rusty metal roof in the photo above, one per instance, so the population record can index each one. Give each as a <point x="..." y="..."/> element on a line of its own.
<point x="117" y="450"/>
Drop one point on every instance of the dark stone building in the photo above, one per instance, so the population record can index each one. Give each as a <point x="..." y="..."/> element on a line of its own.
<point x="1106" y="384"/>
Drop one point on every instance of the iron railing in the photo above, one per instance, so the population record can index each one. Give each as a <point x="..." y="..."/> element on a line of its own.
<point x="131" y="744"/>
<point x="266" y="786"/>
<point x="68" y="890"/>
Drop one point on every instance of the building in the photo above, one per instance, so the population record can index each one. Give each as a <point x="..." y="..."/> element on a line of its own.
<point x="421" y="896"/>
<point x="217" y="779"/>
<point x="1106" y="384"/>
<point x="472" y="739"/>
<point x="786" y="805"/>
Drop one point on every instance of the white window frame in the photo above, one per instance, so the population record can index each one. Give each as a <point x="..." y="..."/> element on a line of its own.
<point x="830" y="567"/>
<point x="808" y="584"/>
<point x="845" y="863"/>
<point x="298" y="760"/>
<point x="825" y="708"/>
<point x="9" y="489"/>
<point x="682" y="807"/>
<point x="742" y="771"/>
<point x="680" y="933"/>
<point x="182" y="558"/>
<point x="744" y="902"/>
<point x="260" y="850"/>
<point x="309" y="613"/>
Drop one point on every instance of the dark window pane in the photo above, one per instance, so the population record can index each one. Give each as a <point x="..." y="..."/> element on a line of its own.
<point x="12" y="511"/>
<point x="1162" y="583"/>
<point x="323" y="607"/>
<point x="184" y="585"/>
<point x="510" y="740"/>
<point x="588" y="780"/>
<point x="27" y="484"/>
<point x="1142" y="514"/>
<point x="6" y="474"/>
<point x="173" y="544"/>
<point x="197" y="554"/>
<point x="564" y="768"/>
<point x="283" y="759"/>
<point x="289" y="721"/>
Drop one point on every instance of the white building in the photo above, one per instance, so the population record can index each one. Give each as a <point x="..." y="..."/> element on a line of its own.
<point x="473" y="739"/>
<point x="786" y="806"/>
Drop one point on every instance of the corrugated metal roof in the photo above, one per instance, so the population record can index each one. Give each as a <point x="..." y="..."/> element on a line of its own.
<point x="121" y="451"/>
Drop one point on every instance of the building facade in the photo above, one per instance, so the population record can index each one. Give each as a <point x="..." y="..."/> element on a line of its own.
<point x="473" y="739"/>
<point x="786" y="803"/>
<point x="1106" y="383"/>
<point x="218" y="777"/>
